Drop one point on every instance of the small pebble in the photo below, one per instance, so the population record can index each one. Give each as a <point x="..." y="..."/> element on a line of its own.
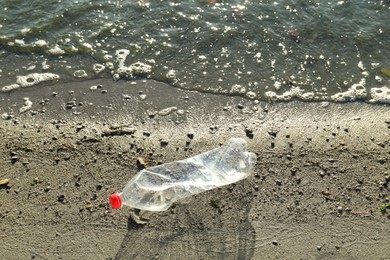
<point x="4" y="181"/>
<point x="61" y="198"/>
<point x="141" y="162"/>
<point x="275" y="242"/>
<point x="163" y="143"/>
<point x="14" y="158"/>
<point x="249" y="133"/>
<point x="92" y="88"/>
<point x="25" y="162"/>
<point x="273" y="133"/>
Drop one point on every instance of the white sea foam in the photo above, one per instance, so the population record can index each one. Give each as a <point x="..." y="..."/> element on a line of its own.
<point x="237" y="89"/>
<point x="39" y="43"/>
<point x="135" y="69"/>
<point x="80" y="74"/>
<point x="35" y="78"/>
<point x="121" y="56"/>
<point x="356" y="91"/>
<point x="139" y="69"/>
<point x="167" y="111"/>
<point x="27" y="105"/>
<point x="380" y="95"/>
<point x="98" y="68"/>
<point x="56" y="50"/>
<point x="288" y="95"/>
<point x="251" y="94"/>
<point x="45" y="66"/>
<point x="171" y="74"/>
<point x="10" y="87"/>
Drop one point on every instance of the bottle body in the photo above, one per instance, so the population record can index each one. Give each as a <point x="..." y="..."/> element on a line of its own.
<point x="157" y="188"/>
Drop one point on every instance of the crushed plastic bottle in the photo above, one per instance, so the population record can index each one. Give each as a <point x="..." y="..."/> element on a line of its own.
<point x="158" y="187"/>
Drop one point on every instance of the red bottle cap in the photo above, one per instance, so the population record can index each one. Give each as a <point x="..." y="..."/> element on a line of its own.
<point x="115" y="201"/>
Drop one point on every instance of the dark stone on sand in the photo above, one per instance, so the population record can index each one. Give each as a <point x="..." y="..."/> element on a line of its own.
<point x="61" y="198"/>
<point x="249" y="133"/>
<point x="163" y="143"/>
<point x="273" y="133"/>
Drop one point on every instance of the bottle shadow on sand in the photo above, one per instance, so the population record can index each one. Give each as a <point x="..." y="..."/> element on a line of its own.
<point x="201" y="229"/>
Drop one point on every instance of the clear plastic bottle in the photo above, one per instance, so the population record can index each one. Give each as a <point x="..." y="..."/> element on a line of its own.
<point x="157" y="188"/>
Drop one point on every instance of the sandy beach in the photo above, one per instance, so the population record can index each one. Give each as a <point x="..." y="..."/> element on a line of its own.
<point x="320" y="180"/>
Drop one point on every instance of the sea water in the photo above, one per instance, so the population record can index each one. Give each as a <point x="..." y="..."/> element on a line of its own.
<point x="310" y="50"/>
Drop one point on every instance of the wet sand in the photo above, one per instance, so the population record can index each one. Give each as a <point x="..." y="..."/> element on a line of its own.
<point x="321" y="176"/>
